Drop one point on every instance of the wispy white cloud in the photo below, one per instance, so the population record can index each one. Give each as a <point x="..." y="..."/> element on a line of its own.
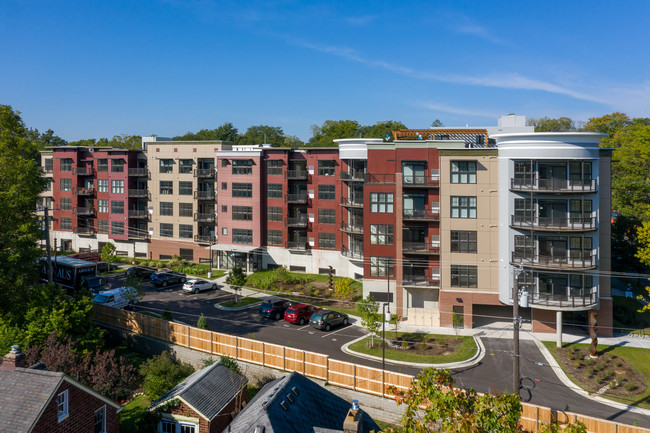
<point x="464" y="25"/>
<point x="436" y="106"/>
<point x="360" y="20"/>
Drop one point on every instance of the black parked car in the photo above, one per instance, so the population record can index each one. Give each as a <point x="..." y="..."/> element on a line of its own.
<point x="140" y="272"/>
<point x="94" y="284"/>
<point x="327" y="319"/>
<point x="165" y="278"/>
<point x="274" y="308"/>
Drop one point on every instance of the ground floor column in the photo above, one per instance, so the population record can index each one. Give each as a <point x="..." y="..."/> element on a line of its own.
<point x="558" y="327"/>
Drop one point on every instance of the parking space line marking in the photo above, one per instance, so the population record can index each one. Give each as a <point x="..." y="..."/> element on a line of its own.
<point x="332" y="333"/>
<point x="301" y="328"/>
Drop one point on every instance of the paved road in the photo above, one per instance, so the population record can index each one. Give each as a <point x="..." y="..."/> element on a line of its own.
<point x="492" y="373"/>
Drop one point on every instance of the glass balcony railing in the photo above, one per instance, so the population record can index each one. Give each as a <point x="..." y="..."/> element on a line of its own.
<point x="574" y="260"/>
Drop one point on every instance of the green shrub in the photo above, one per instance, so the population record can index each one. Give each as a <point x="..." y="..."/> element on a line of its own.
<point x="589" y="371"/>
<point x="161" y="373"/>
<point x="609" y="373"/>
<point x="577" y="363"/>
<point x="230" y="363"/>
<point x="167" y="314"/>
<point x="202" y="323"/>
<point x="630" y="386"/>
<point x="316" y="292"/>
<point x="618" y="363"/>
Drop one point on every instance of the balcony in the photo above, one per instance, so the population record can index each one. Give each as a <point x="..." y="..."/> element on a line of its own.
<point x="84" y="231"/>
<point x="575" y="260"/>
<point x="421" y="214"/>
<point x="421" y="280"/>
<point x="554" y="224"/>
<point x="545" y="294"/>
<point x="204" y="217"/>
<point x="138" y="213"/>
<point x="352" y="255"/>
<point x="204" y="195"/>
<point x="300" y="245"/>
<point x="299" y="221"/>
<point x="300" y="198"/>
<point x="204" y="239"/>
<point x="205" y="173"/>
<point x="420" y="248"/>
<point x="138" y="234"/>
<point x="138" y="193"/>
<point x="296" y="174"/>
<point x="356" y="229"/>
<point x="556" y="185"/>
<point x="83" y="191"/>
<point x="379" y="178"/>
<point x="353" y="176"/>
<point x="83" y="171"/>
<point x="83" y="211"/>
<point x="352" y="202"/>
<point x="138" y="172"/>
<point x="48" y="169"/>
<point x="420" y="181"/>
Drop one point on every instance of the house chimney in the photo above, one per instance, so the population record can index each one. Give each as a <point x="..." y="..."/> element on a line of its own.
<point x="353" y="422"/>
<point x="15" y="358"/>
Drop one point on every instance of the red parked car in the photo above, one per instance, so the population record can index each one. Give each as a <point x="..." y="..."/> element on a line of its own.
<point x="300" y="313"/>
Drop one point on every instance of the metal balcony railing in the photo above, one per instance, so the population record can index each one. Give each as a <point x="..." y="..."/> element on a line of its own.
<point x="138" y="172"/>
<point x="83" y="210"/>
<point x="205" y="173"/>
<point x="300" y="198"/>
<point x="353" y="176"/>
<point x="352" y="228"/>
<point x="138" y="234"/>
<point x="553" y="224"/>
<point x="420" y="248"/>
<point x="561" y="296"/>
<point x="84" y="231"/>
<point x="420" y="280"/>
<point x="353" y="255"/>
<point x="138" y="213"/>
<point x="352" y="202"/>
<point x="296" y="174"/>
<point x="379" y="178"/>
<point x="298" y="221"/>
<point x="422" y="214"/>
<point x="573" y="260"/>
<point x="83" y="191"/>
<point x="137" y="193"/>
<point x="552" y="185"/>
<point x="297" y="244"/>
<point x="83" y="171"/>
<point x="204" y="239"/>
<point x="204" y="217"/>
<point x="409" y="181"/>
<point x="204" y="195"/>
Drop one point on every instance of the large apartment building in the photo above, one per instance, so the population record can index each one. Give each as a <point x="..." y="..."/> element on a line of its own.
<point x="440" y="223"/>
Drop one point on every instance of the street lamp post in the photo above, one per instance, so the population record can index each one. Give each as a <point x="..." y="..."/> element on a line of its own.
<point x="384" y="306"/>
<point x="211" y="254"/>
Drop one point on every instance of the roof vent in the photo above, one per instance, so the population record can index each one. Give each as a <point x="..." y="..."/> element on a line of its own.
<point x="355" y="404"/>
<point x="295" y="391"/>
<point x="284" y="405"/>
<point x="259" y="429"/>
<point x="291" y="398"/>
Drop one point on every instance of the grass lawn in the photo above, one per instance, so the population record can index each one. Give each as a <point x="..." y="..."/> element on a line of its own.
<point x="460" y="349"/>
<point x="131" y="414"/>
<point x="113" y="272"/>
<point x="636" y="358"/>
<point x="242" y="302"/>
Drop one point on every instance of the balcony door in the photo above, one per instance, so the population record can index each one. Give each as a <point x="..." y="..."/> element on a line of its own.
<point x="552" y="212"/>
<point x="553" y="171"/>
<point x="413" y="203"/>
<point x="553" y="249"/>
<point x="413" y="173"/>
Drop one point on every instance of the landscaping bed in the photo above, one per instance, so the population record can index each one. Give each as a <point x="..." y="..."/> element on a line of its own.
<point x="242" y="302"/>
<point x="420" y="348"/>
<point x="619" y="373"/>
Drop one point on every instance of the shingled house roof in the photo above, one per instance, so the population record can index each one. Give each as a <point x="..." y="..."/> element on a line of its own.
<point x="26" y="392"/>
<point x="295" y="404"/>
<point x="207" y="391"/>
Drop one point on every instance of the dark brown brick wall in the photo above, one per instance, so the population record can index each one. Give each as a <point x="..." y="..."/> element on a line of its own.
<point x="81" y="413"/>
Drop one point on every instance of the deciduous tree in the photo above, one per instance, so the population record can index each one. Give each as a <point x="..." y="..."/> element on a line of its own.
<point x="383" y="129"/>
<point x="260" y="134"/>
<point x="225" y="132"/>
<point x="545" y="124"/>
<point x="332" y="129"/>
<point x="370" y="317"/>
<point x="161" y="373"/>
<point x="236" y="279"/>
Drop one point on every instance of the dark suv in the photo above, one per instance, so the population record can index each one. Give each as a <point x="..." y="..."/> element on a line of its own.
<point x="165" y="278"/>
<point x="274" y="308"/>
<point x="327" y="319"/>
<point x="94" y="284"/>
<point x="141" y="272"/>
<point x="300" y="313"/>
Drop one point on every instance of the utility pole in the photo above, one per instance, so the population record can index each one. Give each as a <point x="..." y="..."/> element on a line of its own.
<point x="47" y="246"/>
<point x="516" y="321"/>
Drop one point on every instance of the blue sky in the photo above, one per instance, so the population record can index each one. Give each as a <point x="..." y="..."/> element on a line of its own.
<point x="89" y="69"/>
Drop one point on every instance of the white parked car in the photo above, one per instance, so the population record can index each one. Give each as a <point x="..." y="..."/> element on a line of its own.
<point x="196" y="286"/>
<point x="121" y="297"/>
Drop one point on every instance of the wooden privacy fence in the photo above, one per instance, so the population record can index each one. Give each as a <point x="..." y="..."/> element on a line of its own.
<point x="340" y="373"/>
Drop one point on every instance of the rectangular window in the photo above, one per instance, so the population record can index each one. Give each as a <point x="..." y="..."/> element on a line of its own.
<point x="274" y="167"/>
<point x="464" y="276"/>
<point x="62" y="405"/>
<point x="523" y="173"/>
<point x="100" y="420"/>
<point x="242" y="213"/>
<point x="66" y="184"/>
<point x="381" y="202"/>
<point x="48" y="165"/>
<point x="186" y="254"/>
<point x="167" y="426"/>
<point x="117" y="206"/>
<point x="580" y="248"/>
<point x="224" y="208"/>
<point x="242" y="236"/>
<point x="185" y="165"/>
<point x="166" y="208"/>
<point x="117" y="166"/>
<point x="326" y="216"/>
<point x="523" y="210"/>
<point x="274" y="237"/>
<point x="224" y="231"/>
<point x="185" y="231"/>
<point x="274" y="213"/>
<point x="102" y="185"/>
<point x="102" y="206"/>
<point x="188" y="428"/>
<point x="463" y="171"/>
<point x="117" y="227"/>
<point x="381" y="234"/>
<point x="580" y="172"/>
<point x="65" y="164"/>
<point x="242" y="190"/>
<point x="184" y="209"/>
<point x="185" y="187"/>
<point x="463" y="241"/>
<point x="224" y="163"/>
<point x="326" y="168"/>
<point x="382" y="267"/>
<point x="166" y="187"/>
<point x="66" y="203"/>
<point x="102" y="226"/>
<point x="327" y="241"/>
<point x="117" y="186"/>
<point x="463" y="207"/>
<point x="166" y="166"/>
<point x="48" y="184"/>
<point x="66" y="223"/>
<point x="166" y="230"/>
<point x="242" y="166"/>
<point x="224" y="185"/>
<point x="326" y="192"/>
<point x="274" y="190"/>
<point x="102" y="165"/>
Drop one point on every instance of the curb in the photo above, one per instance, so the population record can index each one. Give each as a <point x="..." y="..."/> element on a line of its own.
<point x="480" y="353"/>
<point x="559" y="372"/>
<point x="245" y="307"/>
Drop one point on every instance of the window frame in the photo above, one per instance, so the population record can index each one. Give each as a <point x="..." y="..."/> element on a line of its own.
<point x="168" y="186"/>
<point x="62" y="405"/>
<point x="183" y="210"/>
<point x="384" y="234"/>
<point x="102" y="205"/>
<point x="242" y="236"/>
<point x="117" y="186"/>
<point x="274" y="213"/>
<point x="102" y="413"/>
<point x="465" y="206"/>
<point x="463" y="276"/>
<point x="380" y="266"/>
<point x="168" y="207"/>
<point x="184" y="229"/>
<point x="184" y="167"/>
<point x="65" y="164"/>
<point x="326" y="167"/>
<point x="242" y="213"/>
<point x="327" y="219"/>
<point x="327" y="241"/>
<point x="116" y="225"/>
<point x="166" y="230"/>
<point x="272" y="190"/>
<point x="102" y="226"/>
<point x="183" y="187"/>
<point x="117" y="207"/>
<point x="65" y="184"/>
<point x="462" y="171"/>
<point x="117" y="165"/>
<point x="382" y="202"/>
<point x="102" y="185"/>
<point x="272" y="237"/>
<point x="242" y="190"/>
<point x="102" y="165"/>
<point x="461" y="242"/>
<point x="274" y="167"/>
<point x="242" y="167"/>
<point x="327" y="192"/>
<point x="166" y="166"/>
